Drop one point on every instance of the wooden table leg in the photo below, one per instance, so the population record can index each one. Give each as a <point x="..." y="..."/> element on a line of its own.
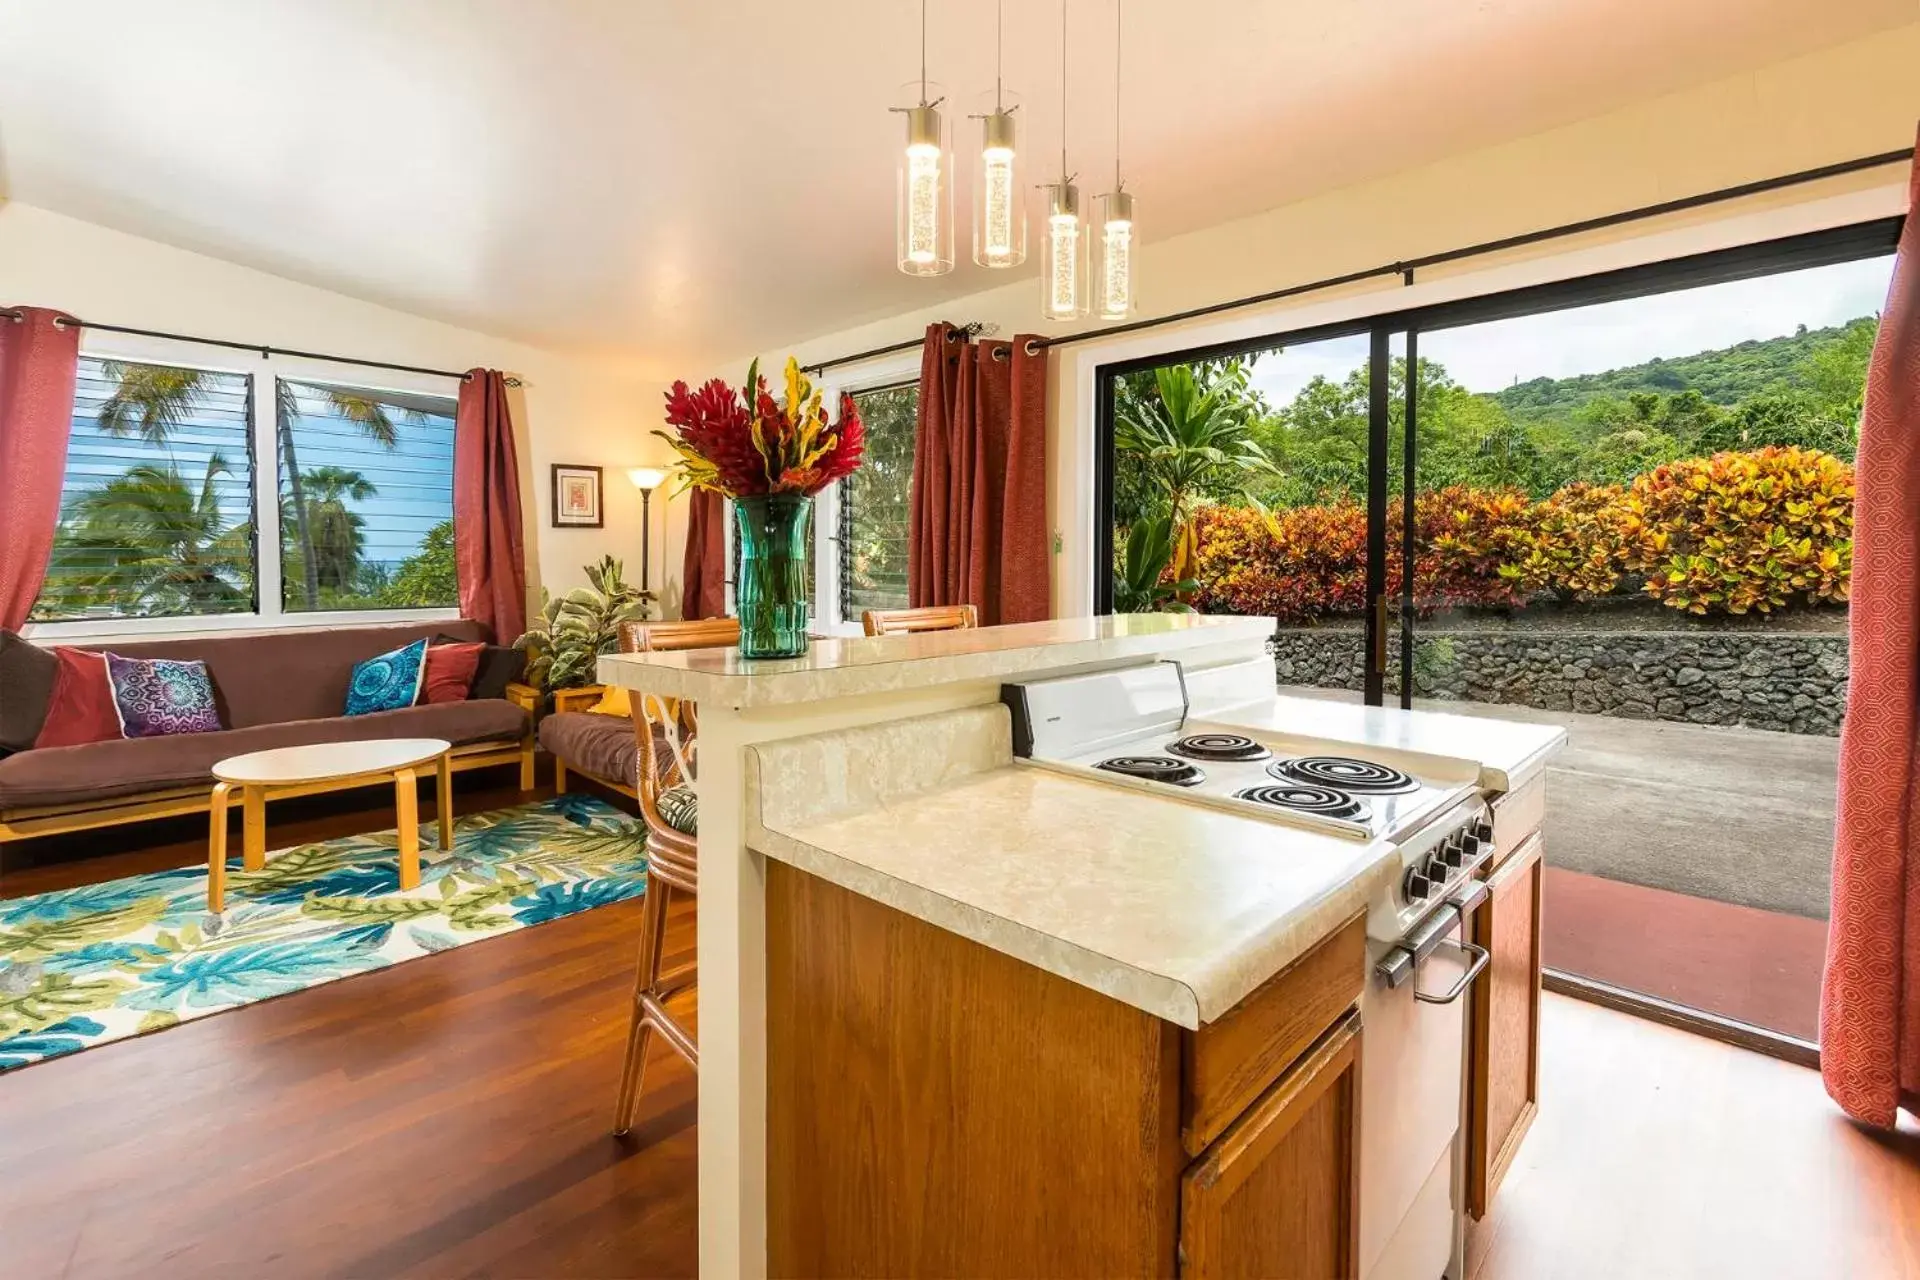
<point x="443" y="800"/>
<point x="217" y="849"/>
<point x="406" y="807"/>
<point x="253" y="831"/>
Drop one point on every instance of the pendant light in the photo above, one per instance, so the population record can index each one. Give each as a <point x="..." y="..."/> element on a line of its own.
<point x="1113" y="271"/>
<point x="1063" y="261"/>
<point x="923" y="226"/>
<point x="999" y="197"/>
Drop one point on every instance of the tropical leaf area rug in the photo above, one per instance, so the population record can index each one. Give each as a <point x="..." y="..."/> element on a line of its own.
<point x="88" y="966"/>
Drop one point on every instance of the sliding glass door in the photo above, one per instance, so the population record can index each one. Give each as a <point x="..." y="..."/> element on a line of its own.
<point x="1622" y="505"/>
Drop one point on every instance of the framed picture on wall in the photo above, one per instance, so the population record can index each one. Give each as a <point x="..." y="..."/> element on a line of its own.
<point x="576" y="497"/>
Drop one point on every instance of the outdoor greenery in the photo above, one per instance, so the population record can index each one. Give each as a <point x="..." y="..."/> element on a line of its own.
<point x="1720" y="483"/>
<point x="878" y="496"/>
<point x="152" y="541"/>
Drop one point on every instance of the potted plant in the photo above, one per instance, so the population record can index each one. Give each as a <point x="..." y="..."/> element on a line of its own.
<point x="565" y="639"/>
<point x="770" y="457"/>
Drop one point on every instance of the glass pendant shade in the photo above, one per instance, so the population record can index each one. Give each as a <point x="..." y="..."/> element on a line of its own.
<point x="1113" y="257"/>
<point x="1063" y="263"/>
<point x="924" y="226"/>
<point x="999" y="189"/>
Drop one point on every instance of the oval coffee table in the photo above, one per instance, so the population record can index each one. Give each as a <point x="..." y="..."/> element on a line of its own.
<point x="326" y="766"/>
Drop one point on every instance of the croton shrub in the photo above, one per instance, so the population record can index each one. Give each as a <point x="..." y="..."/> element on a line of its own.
<point x="1735" y="533"/>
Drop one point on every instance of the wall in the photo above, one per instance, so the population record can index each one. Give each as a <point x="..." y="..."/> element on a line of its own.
<point x="1786" y="681"/>
<point x="1849" y="100"/>
<point x="568" y="409"/>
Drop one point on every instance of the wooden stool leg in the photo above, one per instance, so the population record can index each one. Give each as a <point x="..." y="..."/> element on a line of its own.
<point x="653" y="931"/>
<point x="443" y="801"/>
<point x="406" y="807"/>
<point x="253" y="829"/>
<point x="217" y="849"/>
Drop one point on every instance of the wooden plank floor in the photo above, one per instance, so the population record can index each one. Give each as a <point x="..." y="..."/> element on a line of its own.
<point x="449" y="1117"/>
<point x="444" y="1117"/>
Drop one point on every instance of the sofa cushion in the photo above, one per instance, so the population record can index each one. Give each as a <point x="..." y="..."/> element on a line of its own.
<point x="129" y="766"/>
<point x="27" y="673"/>
<point x="81" y="709"/>
<point x="500" y="665"/>
<point x="160" y="696"/>
<point x="450" y="668"/>
<point x="603" y="746"/>
<point x="275" y="677"/>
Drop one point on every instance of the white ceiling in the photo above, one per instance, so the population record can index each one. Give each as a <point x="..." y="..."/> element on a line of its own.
<point x="678" y="181"/>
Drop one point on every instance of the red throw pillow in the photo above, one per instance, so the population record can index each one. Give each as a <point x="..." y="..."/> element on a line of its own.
<point x="81" y="709"/>
<point x="450" y="669"/>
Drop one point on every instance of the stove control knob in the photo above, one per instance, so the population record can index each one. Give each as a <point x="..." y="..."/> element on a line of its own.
<point x="1482" y="831"/>
<point x="1454" y="852"/>
<point x="1416" y="885"/>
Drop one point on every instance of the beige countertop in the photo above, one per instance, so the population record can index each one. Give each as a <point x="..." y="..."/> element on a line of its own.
<point x="1507" y="751"/>
<point x="840" y="668"/>
<point x="1174" y="908"/>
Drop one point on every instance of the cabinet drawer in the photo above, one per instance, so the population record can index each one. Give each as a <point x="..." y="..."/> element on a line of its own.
<point x="1229" y="1062"/>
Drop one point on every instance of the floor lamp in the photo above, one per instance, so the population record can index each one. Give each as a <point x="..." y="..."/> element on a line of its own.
<point x="646" y="480"/>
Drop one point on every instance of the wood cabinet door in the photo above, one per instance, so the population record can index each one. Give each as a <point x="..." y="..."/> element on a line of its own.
<point x="1278" y="1194"/>
<point x="1504" y="1079"/>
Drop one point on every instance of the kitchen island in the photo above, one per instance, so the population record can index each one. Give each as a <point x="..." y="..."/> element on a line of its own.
<point x="960" y="1014"/>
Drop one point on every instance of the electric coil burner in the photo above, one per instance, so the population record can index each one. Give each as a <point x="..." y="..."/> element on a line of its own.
<point x="1219" y="746"/>
<point x="1154" y="769"/>
<point x="1344" y="774"/>
<point x="1303" y="797"/>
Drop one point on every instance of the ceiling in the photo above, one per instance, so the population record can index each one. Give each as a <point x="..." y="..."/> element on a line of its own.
<point x="678" y="181"/>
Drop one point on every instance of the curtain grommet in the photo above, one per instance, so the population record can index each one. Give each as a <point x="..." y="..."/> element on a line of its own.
<point x="1033" y="347"/>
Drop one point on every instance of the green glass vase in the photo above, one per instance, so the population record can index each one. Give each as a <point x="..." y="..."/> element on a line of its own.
<point x="771" y="595"/>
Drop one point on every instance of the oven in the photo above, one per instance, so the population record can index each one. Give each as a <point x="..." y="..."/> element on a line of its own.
<point x="1414" y="1009"/>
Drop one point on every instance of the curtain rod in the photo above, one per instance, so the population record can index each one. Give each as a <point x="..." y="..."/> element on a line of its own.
<point x="972" y="329"/>
<point x="265" y="350"/>
<point x="1406" y="269"/>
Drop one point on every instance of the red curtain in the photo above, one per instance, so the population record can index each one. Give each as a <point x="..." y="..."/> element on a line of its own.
<point x="1870" y="996"/>
<point x="703" y="576"/>
<point x="488" y="536"/>
<point x="977" y="524"/>
<point x="38" y="360"/>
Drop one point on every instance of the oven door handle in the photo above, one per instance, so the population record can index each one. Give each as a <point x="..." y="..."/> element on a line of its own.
<point x="1478" y="959"/>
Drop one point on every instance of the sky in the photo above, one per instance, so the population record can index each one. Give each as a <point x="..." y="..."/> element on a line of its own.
<point x="1560" y="344"/>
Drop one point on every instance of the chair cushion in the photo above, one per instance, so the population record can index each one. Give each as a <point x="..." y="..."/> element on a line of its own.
<point x="129" y="766"/>
<point x="387" y="681"/>
<point x="680" y="809"/>
<point x="159" y="696"/>
<point x="602" y="746"/>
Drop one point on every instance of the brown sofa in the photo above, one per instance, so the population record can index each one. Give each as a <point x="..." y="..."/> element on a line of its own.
<point x="276" y="689"/>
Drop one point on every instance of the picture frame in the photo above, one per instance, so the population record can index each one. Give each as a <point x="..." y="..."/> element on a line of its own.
<point x="578" y="497"/>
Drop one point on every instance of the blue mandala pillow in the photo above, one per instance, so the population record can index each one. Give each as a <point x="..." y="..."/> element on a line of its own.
<point x="155" y="697"/>
<point x="388" y="682"/>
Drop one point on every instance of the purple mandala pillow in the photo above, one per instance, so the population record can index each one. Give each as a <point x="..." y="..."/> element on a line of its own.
<point x="158" y="696"/>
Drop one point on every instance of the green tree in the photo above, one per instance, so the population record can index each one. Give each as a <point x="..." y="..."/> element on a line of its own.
<point x="364" y="412"/>
<point x="336" y="532"/>
<point x="151" y="542"/>
<point x="428" y="578"/>
<point x="1193" y="436"/>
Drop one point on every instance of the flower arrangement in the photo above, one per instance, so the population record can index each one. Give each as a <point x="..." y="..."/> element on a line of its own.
<point x="753" y="445"/>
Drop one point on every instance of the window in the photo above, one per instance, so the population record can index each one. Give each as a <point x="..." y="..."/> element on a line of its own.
<point x="156" y="511"/>
<point x="366" y="498"/>
<point x="254" y="494"/>
<point x="874" y="503"/>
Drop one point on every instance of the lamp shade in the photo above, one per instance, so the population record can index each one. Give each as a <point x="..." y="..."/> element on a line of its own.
<point x="646" y="478"/>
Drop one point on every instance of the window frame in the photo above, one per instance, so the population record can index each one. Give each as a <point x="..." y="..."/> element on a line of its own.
<point x="899" y="369"/>
<point x="268" y="613"/>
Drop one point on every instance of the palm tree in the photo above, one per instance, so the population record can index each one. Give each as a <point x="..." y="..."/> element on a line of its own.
<point x="150" y="400"/>
<point x="149" y="542"/>
<point x="368" y="414"/>
<point x="338" y="534"/>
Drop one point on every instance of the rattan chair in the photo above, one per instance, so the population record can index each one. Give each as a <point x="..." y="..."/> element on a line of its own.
<point x="667" y="729"/>
<point x="939" y="617"/>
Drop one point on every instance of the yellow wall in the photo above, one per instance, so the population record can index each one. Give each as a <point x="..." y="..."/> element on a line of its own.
<point x="571" y="410"/>
<point x="1850" y="100"/>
